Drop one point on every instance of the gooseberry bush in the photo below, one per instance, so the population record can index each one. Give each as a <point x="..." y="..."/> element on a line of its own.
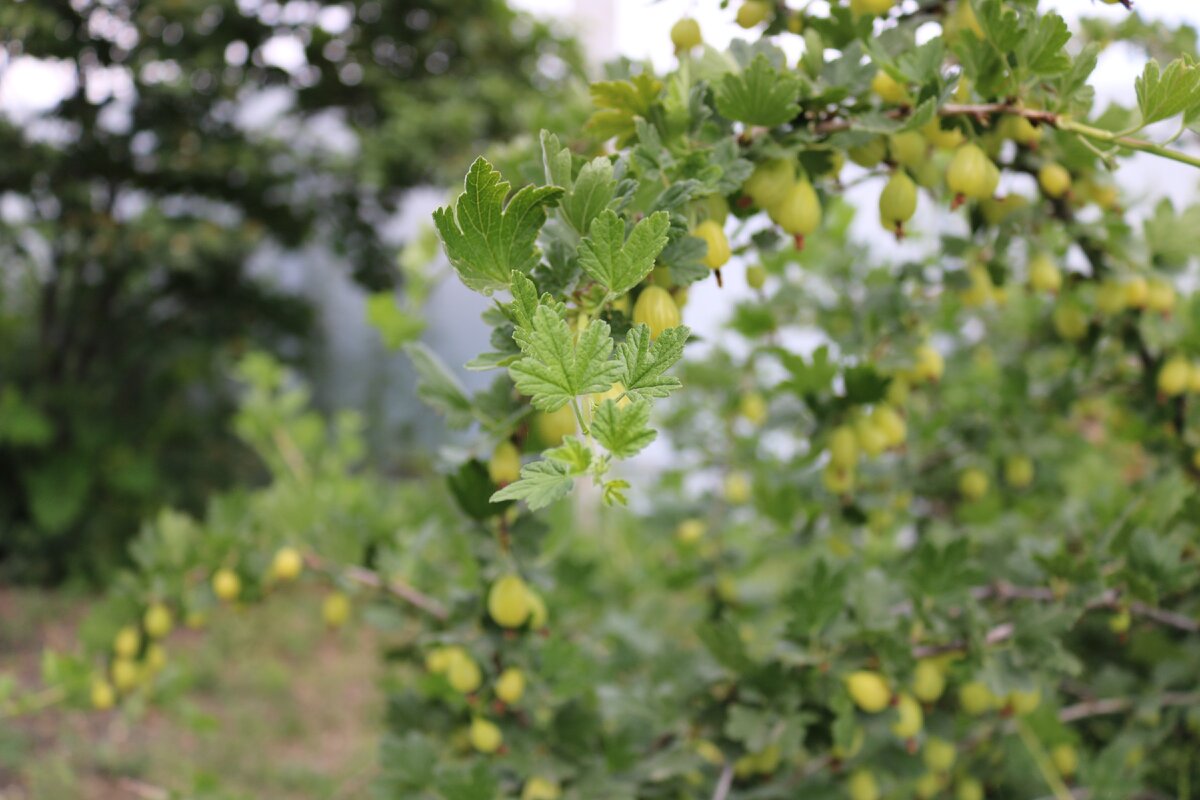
<point x="928" y="526"/>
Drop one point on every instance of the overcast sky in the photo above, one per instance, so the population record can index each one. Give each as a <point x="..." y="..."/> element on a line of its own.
<point x="639" y="28"/>
<point x="635" y="28"/>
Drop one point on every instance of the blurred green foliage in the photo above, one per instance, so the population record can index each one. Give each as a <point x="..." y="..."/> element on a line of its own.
<point x="133" y="206"/>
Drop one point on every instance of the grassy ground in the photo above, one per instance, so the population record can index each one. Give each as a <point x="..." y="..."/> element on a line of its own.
<point x="275" y="708"/>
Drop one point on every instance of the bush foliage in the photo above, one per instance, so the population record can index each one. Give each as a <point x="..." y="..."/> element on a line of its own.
<point x="928" y="523"/>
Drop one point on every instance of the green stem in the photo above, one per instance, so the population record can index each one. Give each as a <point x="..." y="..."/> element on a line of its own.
<point x="1038" y="754"/>
<point x="1128" y="142"/>
<point x="579" y="417"/>
<point x="1183" y="128"/>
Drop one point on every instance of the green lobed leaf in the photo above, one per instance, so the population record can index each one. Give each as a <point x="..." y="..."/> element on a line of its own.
<point x="1173" y="236"/>
<point x="759" y="95"/>
<point x="1042" y="49"/>
<point x="525" y="300"/>
<point x="1163" y="94"/>
<point x="590" y="194"/>
<point x="616" y="263"/>
<point x="475" y="783"/>
<point x="540" y="484"/>
<point x="722" y="640"/>
<point x="573" y="454"/>
<point x="470" y="485"/>
<point x="817" y="600"/>
<point x="619" y="103"/>
<point x="921" y="64"/>
<point x="1001" y="25"/>
<point x="684" y="256"/>
<point x="808" y="377"/>
<point x="556" y="368"/>
<point x="438" y="386"/>
<point x="486" y="240"/>
<point x="585" y="195"/>
<point x="556" y="160"/>
<point x="614" y="492"/>
<point x="1074" y="80"/>
<point x="643" y="363"/>
<point x="623" y="430"/>
<point x="750" y="726"/>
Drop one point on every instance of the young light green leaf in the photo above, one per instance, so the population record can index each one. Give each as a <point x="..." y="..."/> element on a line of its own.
<point x="438" y="386"/>
<point x="643" y="363"/>
<point x="922" y="115"/>
<point x="623" y="431"/>
<point x="395" y="325"/>
<point x="1042" y="46"/>
<point x="813" y="58"/>
<point x="556" y="160"/>
<point x="485" y="240"/>
<point x="584" y="196"/>
<point x="573" y="454"/>
<point x="759" y="95"/>
<point x="526" y="301"/>
<point x="617" y="264"/>
<point x="808" y="377"/>
<point x="921" y="64"/>
<point x="1001" y="25"/>
<point x="1163" y="94"/>
<point x="619" y="103"/>
<point x="614" y="492"/>
<point x="556" y="368"/>
<point x="1173" y="236"/>
<point x="1082" y="66"/>
<point x="540" y="484"/>
<point x="590" y="194"/>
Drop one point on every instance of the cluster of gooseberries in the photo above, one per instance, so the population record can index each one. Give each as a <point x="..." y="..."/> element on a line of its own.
<point x="868" y="434"/>
<point x="138" y="650"/>
<point x="873" y="693"/>
<point x="513" y="606"/>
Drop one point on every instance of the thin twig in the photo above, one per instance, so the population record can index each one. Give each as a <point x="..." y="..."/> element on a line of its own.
<point x="399" y="588"/>
<point x="143" y="790"/>
<point x="395" y="586"/>
<point x="1164" y="617"/>
<point x="1000" y="633"/>
<point x="1117" y="705"/>
<point x="1004" y="591"/>
<point x="724" y="782"/>
<point x="983" y="112"/>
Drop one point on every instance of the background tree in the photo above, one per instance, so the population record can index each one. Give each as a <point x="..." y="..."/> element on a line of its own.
<point x="190" y="134"/>
<point x="929" y="524"/>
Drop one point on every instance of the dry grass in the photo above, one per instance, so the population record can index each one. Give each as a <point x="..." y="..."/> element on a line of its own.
<point x="264" y="705"/>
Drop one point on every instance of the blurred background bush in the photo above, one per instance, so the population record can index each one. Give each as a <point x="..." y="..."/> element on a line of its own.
<point x="167" y="162"/>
